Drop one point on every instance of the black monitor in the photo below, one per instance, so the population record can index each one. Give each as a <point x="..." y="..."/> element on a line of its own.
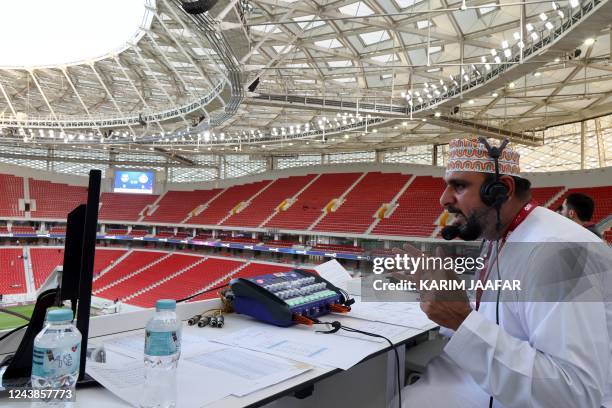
<point x="75" y="285"/>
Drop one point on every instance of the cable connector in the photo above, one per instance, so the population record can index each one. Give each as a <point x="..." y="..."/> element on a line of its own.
<point x="299" y="319"/>
<point x="339" y="308"/>
<point x="349" y="302"/>
<point x="194" y="319"/>
<point x="204" y="321"/>
<point x="220" y="321"/>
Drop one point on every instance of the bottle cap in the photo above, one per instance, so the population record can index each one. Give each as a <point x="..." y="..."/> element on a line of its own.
<point x="59" y="315"/>
<point x="165" y="304"/>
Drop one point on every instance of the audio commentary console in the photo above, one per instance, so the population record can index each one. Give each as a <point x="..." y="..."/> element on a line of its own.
<point x="286" y="298"/>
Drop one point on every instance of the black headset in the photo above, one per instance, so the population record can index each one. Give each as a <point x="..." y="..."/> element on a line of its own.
<point x="494" y="193"/>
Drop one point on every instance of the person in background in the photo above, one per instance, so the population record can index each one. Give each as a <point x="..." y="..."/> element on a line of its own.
<point x="579" y="208"/>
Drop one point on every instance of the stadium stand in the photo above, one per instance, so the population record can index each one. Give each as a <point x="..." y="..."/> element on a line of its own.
<point x="116" y="231"/>
<point x="337" y="248"/>
<point x="175" y="206"/>
<point x="262" y="206"/>
<point x="249" y="270"/>
<point x="542" y="195"/>
<point x="356" y="213"/>
<point x="22" y="229"/>
<point x="138" y="233"/>
<point x="139" y="280"/>
<point x="44" y="261"/>
<point x="306" y="200"/>
<point x="12" y="278"/>
<point x="281" y="243"/>
<point x="11" y="190"/>
<point x="55" y="200"/>
<point x="227" y="201"/>
<point x="123" y="207"/>
<point x="135" y="261"/>
<point x="241" y="240"/>
<point x="194" y="279"/>
<point x="416" y="211"/>
<point x="310" y="203"/>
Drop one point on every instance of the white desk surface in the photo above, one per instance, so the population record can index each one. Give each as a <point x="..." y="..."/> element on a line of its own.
<point x="100" y="397"/>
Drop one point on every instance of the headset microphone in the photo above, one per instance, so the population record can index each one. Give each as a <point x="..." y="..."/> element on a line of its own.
<point x="450" y="232"/>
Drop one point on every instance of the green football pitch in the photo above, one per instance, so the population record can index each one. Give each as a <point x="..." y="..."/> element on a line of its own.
<point x="8" y="321"/>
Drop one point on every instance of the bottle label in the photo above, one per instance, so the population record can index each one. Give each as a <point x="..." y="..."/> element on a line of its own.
<point x="164" y="343"/>
<point x="56" y="362"/>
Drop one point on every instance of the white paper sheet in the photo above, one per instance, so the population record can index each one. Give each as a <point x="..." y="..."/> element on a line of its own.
<point x="252" y="370"/>
<point x="133" y="345"/>
<point x="127" y="383"/>
<point x="382" y="329"/>
<point x="334" y="273"/>
<point x="302" y="344"/>
<point x="407" y="314"/>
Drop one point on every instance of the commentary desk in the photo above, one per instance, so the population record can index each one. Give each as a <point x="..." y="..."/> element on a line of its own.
<point x="371" y="383"/>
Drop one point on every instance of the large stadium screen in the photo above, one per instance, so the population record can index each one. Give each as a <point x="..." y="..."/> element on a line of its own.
<point x="133" y="181"/>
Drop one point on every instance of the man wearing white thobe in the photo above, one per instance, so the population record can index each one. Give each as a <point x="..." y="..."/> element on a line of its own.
<point x="553" y="344"/>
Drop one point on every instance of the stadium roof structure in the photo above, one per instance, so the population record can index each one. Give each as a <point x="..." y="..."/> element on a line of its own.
<point x="297" y="78"/>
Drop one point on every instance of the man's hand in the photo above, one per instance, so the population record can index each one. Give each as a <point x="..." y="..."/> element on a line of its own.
<point x="446" y="313"/>
<point x="448" y="308"/>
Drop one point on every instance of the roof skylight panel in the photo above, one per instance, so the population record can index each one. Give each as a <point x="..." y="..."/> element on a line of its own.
<point x="356" y="9"/>
<point x="305" y="22"/>
<point x="374" y="37"/>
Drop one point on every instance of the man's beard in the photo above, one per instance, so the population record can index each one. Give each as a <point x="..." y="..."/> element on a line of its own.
<point x="470" y="230"/>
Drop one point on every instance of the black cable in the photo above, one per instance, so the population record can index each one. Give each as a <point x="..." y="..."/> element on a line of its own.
<point x="497" y="298"/>
<point x="339" y="326"/>
<point x="202" y="292"/>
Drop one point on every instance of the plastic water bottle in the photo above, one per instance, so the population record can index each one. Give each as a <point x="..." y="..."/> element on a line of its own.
<point x="57" y="353"/>
<point x="161" y="355"/>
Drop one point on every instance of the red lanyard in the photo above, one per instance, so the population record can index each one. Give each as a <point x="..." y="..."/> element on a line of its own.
<point x="520" y="217"/>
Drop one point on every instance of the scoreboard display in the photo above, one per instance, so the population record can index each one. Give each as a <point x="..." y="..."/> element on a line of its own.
<point x="133" y="181"/>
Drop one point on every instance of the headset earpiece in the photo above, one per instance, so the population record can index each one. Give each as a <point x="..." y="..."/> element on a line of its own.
<point x="494" y="193"/>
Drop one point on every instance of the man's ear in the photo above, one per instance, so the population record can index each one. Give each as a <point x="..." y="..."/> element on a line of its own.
<point x="508" y="181"/>
<point x="571" y="214"/>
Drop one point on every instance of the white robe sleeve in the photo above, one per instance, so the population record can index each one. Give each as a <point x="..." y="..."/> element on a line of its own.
<point x="564" y="362"/>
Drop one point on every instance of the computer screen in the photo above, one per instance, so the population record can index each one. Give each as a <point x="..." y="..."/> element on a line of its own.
<point x="133" y="181"/>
